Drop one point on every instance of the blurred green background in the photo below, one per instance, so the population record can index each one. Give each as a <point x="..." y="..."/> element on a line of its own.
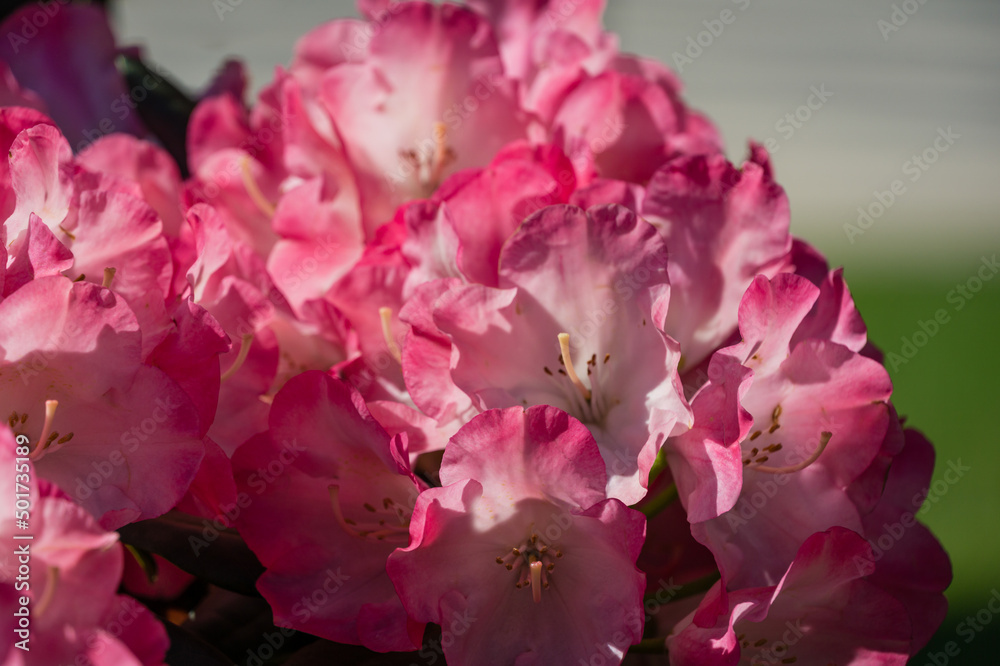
<point x="948" y="390"/>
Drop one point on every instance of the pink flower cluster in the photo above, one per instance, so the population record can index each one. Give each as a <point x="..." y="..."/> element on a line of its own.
<point x="454" y="313"/>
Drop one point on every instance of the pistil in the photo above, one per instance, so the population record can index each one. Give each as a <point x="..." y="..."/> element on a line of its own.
<point x="253" y="190"/>
<point x="532" y="562"/>
<point x="48" y="435"/>
<point x="385" y="314"/>
<point x="109" y="276"/>
<point x="570" y="370"/>
<point x="245" y="342"/>
<point x="823" y="441"/>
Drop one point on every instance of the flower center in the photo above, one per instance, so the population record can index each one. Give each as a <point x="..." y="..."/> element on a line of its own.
<point x="757" y="452"/>
<point x="390" y="522"/>
<point x="532" y="562"/>
<point x="48" y="436"/>
<point x="767" y="651"/>
<point x="430" y="161"/>
<point x="589" y="405"/>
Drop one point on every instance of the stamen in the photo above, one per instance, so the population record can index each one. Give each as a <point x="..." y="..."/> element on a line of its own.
<point x="442" y="153"/>
<point x="43" y="439"/>
<point x="240" y="358"/>
<point x="823" y="441"/>
<point x="440" y="139"/>
<point x="385" y="314"/>
<point x="338" y="513"/>
<point x="253" y="189"/>
<point x="109" y="275"/>
<point x="49" y="594"/>
<point x="536" y="579"/>
<point x="570" y="370"/>
<point x="379" y="531"/>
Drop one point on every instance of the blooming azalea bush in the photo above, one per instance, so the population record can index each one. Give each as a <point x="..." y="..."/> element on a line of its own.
<point x="465" y="340"/>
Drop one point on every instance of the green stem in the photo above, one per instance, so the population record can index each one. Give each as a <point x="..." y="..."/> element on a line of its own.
<point x="650" y="646"/>
<point x="655" y="505"/>
<point x="146" y="562"/>
<point x="658" y="466"/>
<point x="698" y="586"/>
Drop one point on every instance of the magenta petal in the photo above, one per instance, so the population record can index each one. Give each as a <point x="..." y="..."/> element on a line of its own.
<point x="558" y="457"/>
<point x="41" y="177"/>
<point x="822" y="609"/>
<point x="37" y="253"/>
<point x="706" y="461"/>
<point x="325" y="555"/>
<point x="723" y="227"/>
<point x="449" y="575"/>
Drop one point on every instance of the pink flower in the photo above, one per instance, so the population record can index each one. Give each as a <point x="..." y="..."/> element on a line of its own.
<point x="425" y="97"/>
<point x="819" y="416"/>
<point x="68" y="571"/>
<point x="121" y="435"/>
<point x="823" y="609"/>
<point x="101" y="219"/>
<point x="520" y="557"/>
<point x="724" y="227"/>
<point x="575" y="324"/>
<point x="330" y="498"/>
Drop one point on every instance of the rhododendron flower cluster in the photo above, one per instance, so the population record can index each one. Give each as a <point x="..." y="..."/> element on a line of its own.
<point x="464" y="339"/>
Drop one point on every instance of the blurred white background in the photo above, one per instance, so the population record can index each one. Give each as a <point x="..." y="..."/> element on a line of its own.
<point x="890" y="88"/>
